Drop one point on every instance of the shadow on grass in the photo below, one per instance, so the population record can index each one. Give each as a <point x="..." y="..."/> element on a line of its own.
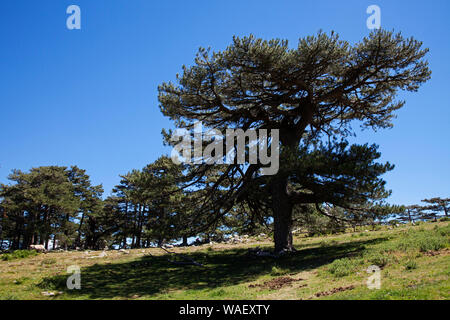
<point x="151" y="275"/>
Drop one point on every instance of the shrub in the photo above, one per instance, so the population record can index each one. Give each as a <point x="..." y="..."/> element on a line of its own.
<point x="445" y="231"/>
<point x="277" y="271"/>
<point x="21" y="280"/>
<point x="431" y="243"/>
<point x="18" y="254"/>
<point x="55" y="283"/>
<point x="404" y="245"/>
<point x="342" y="267"/>
<point x="378" y="259"/>
<point x="324" y="243"/>
<point x="410" y="265"/>
<point x="218" y="293"/>
<point x="424" y="240"/>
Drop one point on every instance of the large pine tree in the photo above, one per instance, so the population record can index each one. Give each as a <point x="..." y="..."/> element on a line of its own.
<point x="315" y="91"/>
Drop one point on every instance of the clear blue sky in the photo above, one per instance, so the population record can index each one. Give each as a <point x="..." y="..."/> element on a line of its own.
<point x="89" y="97"/>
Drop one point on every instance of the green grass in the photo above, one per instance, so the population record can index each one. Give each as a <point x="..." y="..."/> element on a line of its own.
<point x="411" y="265"/>
<point x="342" y="267"/>
<point x="18" y="254"/>
<point x="414" y="262"/>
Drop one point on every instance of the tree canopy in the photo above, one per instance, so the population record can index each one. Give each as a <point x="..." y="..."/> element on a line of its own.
<point x="313" y="94"/>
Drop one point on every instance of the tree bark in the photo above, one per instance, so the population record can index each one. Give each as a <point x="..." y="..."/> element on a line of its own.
<point x="185" y="241"/>
<point x="54" y="241"/>
<point x="78" y="241"/>
<point x="47" y="239"/>
<point x="140" y="225"/>
<point x="282" y="215"/>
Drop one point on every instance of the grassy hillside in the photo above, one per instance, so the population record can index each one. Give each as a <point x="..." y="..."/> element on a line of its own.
<point x="414" y="262"/>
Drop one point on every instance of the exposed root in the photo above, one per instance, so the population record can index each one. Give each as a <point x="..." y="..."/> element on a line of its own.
<point x="258" y="252"/>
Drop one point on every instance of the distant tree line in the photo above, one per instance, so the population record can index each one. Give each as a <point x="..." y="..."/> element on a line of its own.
<point x="59" y="207"/>
<point x="431" y="210"/>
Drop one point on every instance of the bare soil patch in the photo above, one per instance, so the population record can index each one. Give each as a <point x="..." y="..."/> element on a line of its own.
<point x="333" y="291"/>
<point x="445" y="251"/>
<point x="277" y="283"/>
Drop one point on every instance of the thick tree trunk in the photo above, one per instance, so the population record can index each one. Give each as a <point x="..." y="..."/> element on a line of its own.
<point x="185" y="241"/>
<point x="66" y="232"/>
<point x="140" y="225"/>
<point x="47" y="239"/>
<point x="19" y="231"/>
<point x="78" y="241"/>
<point x="54" y="241"/>
<point x="134" y="231"/>
<point x="282" y="215"/>
<point x="15" y="243"/>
